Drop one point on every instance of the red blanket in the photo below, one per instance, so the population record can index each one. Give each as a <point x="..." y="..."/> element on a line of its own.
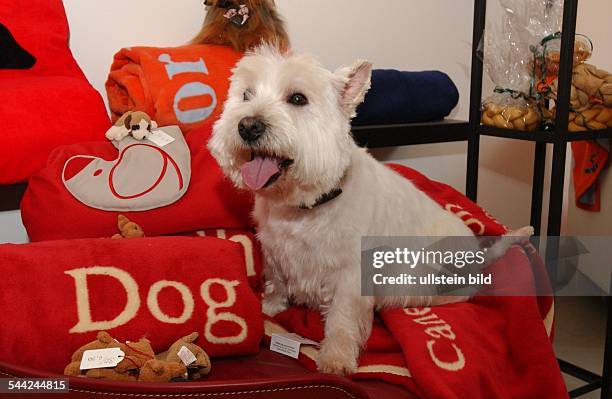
<point x="490" y="347"/>
<point x="55" y="296"/>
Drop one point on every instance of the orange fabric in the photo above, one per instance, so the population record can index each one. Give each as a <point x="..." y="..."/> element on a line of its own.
<point x="183" y="86"/>
<point x="590" y="159"/>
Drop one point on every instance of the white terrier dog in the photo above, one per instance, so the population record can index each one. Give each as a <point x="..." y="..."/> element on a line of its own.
<point x="285" y="133"/>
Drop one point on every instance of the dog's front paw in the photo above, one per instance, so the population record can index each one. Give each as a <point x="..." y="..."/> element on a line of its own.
<point x="117" y="133"/>
<point x="338" y="360"/>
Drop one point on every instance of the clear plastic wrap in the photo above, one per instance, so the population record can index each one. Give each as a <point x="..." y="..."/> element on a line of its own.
<point x="511" y="48"/>
<point x="548" y="60"/>
<point x="591" y="92"/>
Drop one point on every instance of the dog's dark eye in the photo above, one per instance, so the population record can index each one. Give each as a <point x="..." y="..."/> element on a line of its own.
<point x="297" y="99"/>
<point x="247" y="95"/>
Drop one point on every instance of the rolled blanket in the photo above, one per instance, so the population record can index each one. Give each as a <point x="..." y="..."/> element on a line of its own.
<point x="407" y="97"/>
<point x="183" y="86"/>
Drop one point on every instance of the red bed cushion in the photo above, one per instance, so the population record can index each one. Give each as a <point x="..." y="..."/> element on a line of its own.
<point x="50" y="212"/>
<point x="168" y="287"/>
<point x="50" y="104"/>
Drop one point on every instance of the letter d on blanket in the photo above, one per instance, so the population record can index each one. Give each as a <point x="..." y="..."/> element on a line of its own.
<point x="85" y="323"/>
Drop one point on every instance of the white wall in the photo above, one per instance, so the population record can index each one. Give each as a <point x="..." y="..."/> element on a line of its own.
<point x="11" y="228"/>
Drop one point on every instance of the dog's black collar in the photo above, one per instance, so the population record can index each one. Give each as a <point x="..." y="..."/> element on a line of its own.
<point x="325" y="198"/>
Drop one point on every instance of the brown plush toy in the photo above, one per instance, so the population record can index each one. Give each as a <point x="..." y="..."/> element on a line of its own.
<point x="140" y="362"/>
<point x="136" y="355"/>
<point x="201" y="366"/>
<point x="135" y="123"/>
<point x="162" y="371"/>
<point x="128" y="229"/>
<point x="103" y="341"/>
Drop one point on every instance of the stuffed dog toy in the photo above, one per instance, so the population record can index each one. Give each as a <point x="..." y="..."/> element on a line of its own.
<point x="136" y="123"/>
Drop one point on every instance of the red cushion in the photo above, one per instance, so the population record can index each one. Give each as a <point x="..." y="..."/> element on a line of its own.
<point x="50" y="212"/>
<point x="40" y="27"/>
<point x="50" y="104"/>
<point x="168" y="287"/>
<point x="40" y="113"/>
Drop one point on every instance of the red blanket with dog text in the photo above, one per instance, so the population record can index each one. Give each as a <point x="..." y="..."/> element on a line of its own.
<point x="56" y="295"/>
<point x="183" y="86"/>
<point x="489" y="347"/>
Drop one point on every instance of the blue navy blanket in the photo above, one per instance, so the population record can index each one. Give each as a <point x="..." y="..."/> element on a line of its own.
<point x="407" y="97"/>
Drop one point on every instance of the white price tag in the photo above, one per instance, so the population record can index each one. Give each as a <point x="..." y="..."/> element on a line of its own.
<point x="186" y="356"/>
<point x="160" y="138"/>
<point x="101" y="358"/>
<point x="289" y="344"/>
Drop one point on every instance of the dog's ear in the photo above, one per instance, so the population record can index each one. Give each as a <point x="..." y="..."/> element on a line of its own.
<point x="355" y="82"/>
<point x="128" y="122"/>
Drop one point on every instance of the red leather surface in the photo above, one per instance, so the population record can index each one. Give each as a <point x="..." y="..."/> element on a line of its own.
<point x="265" y="375"/>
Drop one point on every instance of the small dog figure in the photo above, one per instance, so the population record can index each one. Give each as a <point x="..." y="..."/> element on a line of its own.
<point x="135" y="123"/>
<point x="286" y="135"/>
<point x="242" y="24"/>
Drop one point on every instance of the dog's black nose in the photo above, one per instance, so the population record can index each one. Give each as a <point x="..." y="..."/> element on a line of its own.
<point x="251" y="129"/>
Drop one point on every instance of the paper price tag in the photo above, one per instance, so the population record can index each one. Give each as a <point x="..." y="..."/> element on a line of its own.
<point x="289" y="344"/>
<point x="186" y="356"/>
<point x="101" y="358"/>
<point x="160" y="138"/>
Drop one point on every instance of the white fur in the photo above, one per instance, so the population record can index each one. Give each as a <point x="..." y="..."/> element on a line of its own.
<point x="312" y="256"/>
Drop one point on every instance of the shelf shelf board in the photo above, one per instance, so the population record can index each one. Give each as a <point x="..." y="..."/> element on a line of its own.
<point x="539" y="135"/>
<point x="544" y="136"/>
<point x="590" y="135"/>
<point x="447" y="130"/>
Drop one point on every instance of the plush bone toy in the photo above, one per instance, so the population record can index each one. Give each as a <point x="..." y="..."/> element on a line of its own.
<point x="136" y="123"/>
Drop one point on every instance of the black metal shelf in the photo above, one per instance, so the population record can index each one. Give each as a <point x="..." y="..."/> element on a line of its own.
<point x="543" y="136"/>
<point x="559" y="137"/>
<point x="447" y="130"/>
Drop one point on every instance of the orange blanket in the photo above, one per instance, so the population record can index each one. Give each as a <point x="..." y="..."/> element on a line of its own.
<point x="183" y="86"/>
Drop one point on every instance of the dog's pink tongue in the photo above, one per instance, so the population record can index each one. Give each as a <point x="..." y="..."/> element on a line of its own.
<point x="259" y="171"/>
